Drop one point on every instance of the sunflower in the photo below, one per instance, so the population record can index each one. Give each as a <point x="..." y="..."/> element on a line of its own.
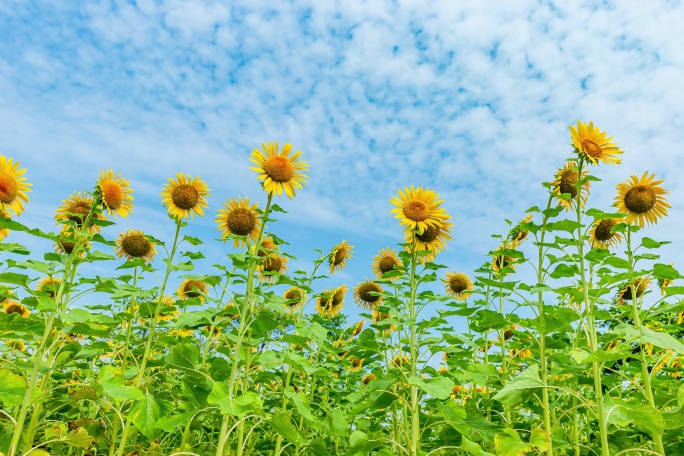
<point x="566" y="179"/>
<point x="378" y="317"/>
<point x="356" y="363"/>
<point x="358" y="327"/>
<point x="386" y="261"/>
<point x="279" y="171"/>
<point x="518" y="234"/>
<point x="331" y="302"/>
<point x="418" y="209"/>
<point x="433" y="238"/>
<point x="664" y="283"/>
<point x="363" y="296"/>
<point x="50" y="285"/>
<point x="521" y="353"/>
<point x="640" y="283"/>
<point x="16" y="345"/>
<point x="13" y="187"/>
<point x="296" y="297"/>
<point x="339" y="255"/>
<point x="185" y="196"/>
<point x="592" y="145"/>
<point x="76" y="209"/>
<point x="4" y="232"/>
<point x="271" y="265"/>
<point x="168" y="311"/>
<point x="503" y="261"/>
<point x="368" y="378"/>
<point x="240" y="219"/>
<point x="602" y="235"/>
<point x="134" y="244"/>
<point x="116" y="193"/>
<point x="399" y="360"/>
<point x="67" y="242"/>
<point x="10" y="306"/>
<point x="192" y="289"/>
<point x="642" y="200"/>
<point x="231" y="311"/>
<point x="458" y="285"/>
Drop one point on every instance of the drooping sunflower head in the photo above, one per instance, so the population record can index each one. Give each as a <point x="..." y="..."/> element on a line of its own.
<point x="296" y="297"/>
<point x="641" y="284"/>
<point x="602" y="234"/>
<point x="356" y="363"/>
<point x="418" y="209"/>
<point x="400" y="360"/>
<point x="566" y="181"/>
<point x="433" y="238"/>
<point x="239" y="218"/>
<point x="16" y="344"/>
<point x="67" y="243"/>
<point x="272" y="265"/>
<point x="592" y="145"/>
<point x="358" y="327"/>
<point x="642" y="200"/>
<point x="10" y="306"/>
<point x="368" y="378"/>
<point x="386" y="261"/>
<point x="339" y="255"/>
<point x="168" y="310"/>
<point x="363" y="296"/>
<point x="378" y="317"/>
<point x="4" y="232"/>
<point x="501" y="262"/>
<point x="134" y="244"/>
<point x="185" y="196"/>
<point x="50" y="285"/>
<point x="458" y="285"/>
<point x="192" y="289"/>
<point x="518" y="233"/>
<point x="116" y="193"/>
<point x="331" y="302"/>
<point x="13" y="187"/>
<point x="279" y="171"/>
<point x="76" y="209"/>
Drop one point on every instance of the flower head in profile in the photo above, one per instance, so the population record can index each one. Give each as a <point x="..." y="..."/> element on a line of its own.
<point x="339" y="255"/>
<point x="279" y="171"/>
<point x="49" y="285"/>
<point x="66" y="243"/>
<point x="331" y="302"/>
<point x="418" y="209"/>
<point x="641" y="284"/>
<point x="13" y="186"/>
<point x="501" y="262"/>
<point x="134" y="244"/>
<point x="368" y="378"/>
<point x="296" y="297"/>
<point x="592" y="145"/>
<point x="10" y="306"/>
<point x="566" y="181"/>
<point x="363" y="296"/>
<point x="386" y="261"/>
<point x="358" y="327"/>
<point x="642" y="200"/>
<point x="272" y="265"/>
<point x="239" y="218"/>
<point x="190" y="288"/>
<point x="458" y="285"/>
<point x="185" y="196"/>
<point x="356" y="363"/>
<point x="433" y="238"/>
<point x="386" y="328"/>
<point x="4" y="232"/>
<point x="519" y="233"/>
<point x="16" y="344"/>
<point x="168" y="310"/>
<point x="602" y="234"/>
<point x="116" y="193"/>
<point x="79" y="209"/>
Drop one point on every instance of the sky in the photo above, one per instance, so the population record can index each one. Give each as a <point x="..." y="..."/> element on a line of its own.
<point x="471" y="99"/>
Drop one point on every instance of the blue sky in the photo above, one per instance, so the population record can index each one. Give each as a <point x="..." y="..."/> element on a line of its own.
<point x="472" y="99"/>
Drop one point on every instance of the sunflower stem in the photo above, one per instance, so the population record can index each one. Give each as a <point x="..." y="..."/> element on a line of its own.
<point x="415" y="406"/>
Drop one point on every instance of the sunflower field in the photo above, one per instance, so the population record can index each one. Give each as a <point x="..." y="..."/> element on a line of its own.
<point x="252" y="358"/>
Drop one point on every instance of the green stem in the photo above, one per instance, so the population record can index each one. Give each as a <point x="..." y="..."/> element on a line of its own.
<point x="415" y="406"/>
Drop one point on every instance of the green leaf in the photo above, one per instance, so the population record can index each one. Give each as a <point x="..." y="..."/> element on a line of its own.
<point x="648" y="336"/>
<point x="282" y="424"/>
<point x="114" y="385"/>
<point x="508" y="443"/>
<point x="564" y="270"/>
<point x="520" y="387"/>
<point x="170" y="424"/>
<point x="357" y="438"/>
<point x="183" y="356"/>
<point x="564" y="225"/>
<point x="12" y="388"/>
<point x="144" y="414"/>
<point x="600" y="215"/>
<point x="245" y="404"/>
<point x="437" y="387"/>
<point x="473" y="448"/>
<point x="79" y="438"/>
<point x="540" y="440"/>
<point x="192" y="240"/>
<point x="301" y="403"/>
<point x="680" y="396"/>
<point x="649" y="243"/>
<point x="665" y="271"/>
<point x="15" y="279"/>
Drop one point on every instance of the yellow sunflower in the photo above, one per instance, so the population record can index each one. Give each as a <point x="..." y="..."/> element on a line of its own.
<point x="134" y="244"/>
<point x="272" y="264"/>
<point x="602" y="236"/>
<point x="503" y="261"/>
<point x="192" y="289"/>
<point x="50" y="285"/>
<point x="296" y="297"/>
<point x="358" y="327"/>
<point x="16" y="344"/>
<point x="378" y="317"/>
<point x="363" y="296"/>
<point x="518" y="234"/>
<point x="13" y="187"/>
<point x="642" y="200"/>
<point x="331" y="302"/>
<point x="399" y="360"/>
<point x="458" y="285"/>
<point x="169" y="311"/>
<point x="592" y="145"/>
<point x="279" y="171"/>
<point x="10" y="306"/>
<point x="240" y="219"/>
<point x="356" y="363"/>
<point x="433" y="238"/>
<point x="67" y="243"/>
<point x="368" y="378"/>
<point x="386" y="261"/>
<point x="116" y="193"/>
<point x="339" y="255"/>
<point x="4" y="232"/>
<point x="566" y="179"/>
<point x="640" y="283"/>
<point x="418" y="209"/>
<point x="185" y="196"/>
<point x="76" y="209"/>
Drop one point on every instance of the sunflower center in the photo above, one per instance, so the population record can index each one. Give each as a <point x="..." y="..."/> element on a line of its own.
<point x="241" y="221"/>
<point x="429" y="235"/>
<point x="9" y="188"/>
<point x="458" y="284"/>
<point x="591" y="148"/>
<point x="279" y="168"/>
<point x="80" y="211"/>
<point x="640" y="199"/>
<point x="112" y="194"/>
<point x="337" y="298"/>
<point x="14" y="308"/>
<point x="340" y="256"/>
<point x="185" y="196"/>
<point x="191" y="286"/>
<point x="567" y="183"/>
<point x="273" y="264"/>
<point x="67" y="246"/>
<point x="416" y="210"/>
<point x="366" y="289"/>
<point x="386" y="264"/>
<point x="293" y="294"/>
<point x="603" y="230"/>
<point x="136" y="245"/>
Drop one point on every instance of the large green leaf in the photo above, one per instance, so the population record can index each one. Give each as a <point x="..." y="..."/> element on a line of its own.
<point x="520" y="387"/>
<point x="437" y="387"/>
<point x="508" y="443"/>
<point x="644" y="335"/>
<point x="183" y="356"/>
<point x="145" y="414"/>
<point x="473" y="448"/>
<point x="170" y="424"/>
<point x="282" y="424"/>
<point x="12" y="388"/>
